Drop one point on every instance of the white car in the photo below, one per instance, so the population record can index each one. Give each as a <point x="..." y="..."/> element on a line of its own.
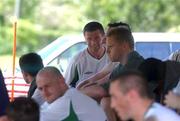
<point x="60" y="52"/>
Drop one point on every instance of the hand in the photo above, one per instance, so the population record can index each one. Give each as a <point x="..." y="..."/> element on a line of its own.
<point x="172" y="100"/>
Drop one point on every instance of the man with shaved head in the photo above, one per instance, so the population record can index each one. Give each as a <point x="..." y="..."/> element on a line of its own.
<point x="64" y="103"/>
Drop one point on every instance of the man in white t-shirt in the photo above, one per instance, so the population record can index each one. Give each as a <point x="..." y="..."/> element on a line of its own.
<point x="91" y="60"/>
<point x="131" y="100"/>
<point x="64" y="103"/>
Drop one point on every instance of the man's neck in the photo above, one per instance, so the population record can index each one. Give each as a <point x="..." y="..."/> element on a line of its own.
<point x="125" y="58"/>
<point x="31" y="79"/>
<point x="143" y="108"/>
<point x="98" y="54"/>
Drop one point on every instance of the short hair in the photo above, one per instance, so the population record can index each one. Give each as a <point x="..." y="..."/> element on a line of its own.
<point x="23" y="109"/>
<point x="132" y="79"/>
<point x="31" y="63"/>
<point x="153" y="69"/>
<point x="52" y="70"/>
<point x="93" y="26"/>
<point x="122" y="34"/>
<point x="119" y="24"/>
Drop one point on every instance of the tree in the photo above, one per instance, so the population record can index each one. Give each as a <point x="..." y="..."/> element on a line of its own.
<point x="45" y="20"/>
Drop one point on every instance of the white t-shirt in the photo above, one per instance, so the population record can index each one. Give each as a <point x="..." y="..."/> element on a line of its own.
<point x="84" y="65"/>
<point x="161" y="113"/>
<point x="85" y="108"/>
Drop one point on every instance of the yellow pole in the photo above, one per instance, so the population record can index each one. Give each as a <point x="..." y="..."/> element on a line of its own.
<point x="14" y="58"/>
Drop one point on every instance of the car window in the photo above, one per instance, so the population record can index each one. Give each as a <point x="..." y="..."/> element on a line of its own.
<point x="160" y="50"/>
<point x="61" y="62"/>
<point x="175" y="46"/>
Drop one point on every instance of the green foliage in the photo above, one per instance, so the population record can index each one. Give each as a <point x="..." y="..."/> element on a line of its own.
<point x="142" y="15"/>
<point x="6" y="34"/>
<point x="28" y="9"/>
<point x="30" y="37"/>
<point x="42" y="21"/>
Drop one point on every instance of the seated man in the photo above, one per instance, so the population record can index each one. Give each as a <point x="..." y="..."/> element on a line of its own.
<point x="92" y="59"/>
<point x="64" y="103"/>
<point x="131" y="100"/>
<point x="30" y="64"/>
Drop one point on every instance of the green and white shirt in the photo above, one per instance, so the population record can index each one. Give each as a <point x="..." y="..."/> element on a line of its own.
<point x="72" y="106"/>
<point x="83" y="66"/>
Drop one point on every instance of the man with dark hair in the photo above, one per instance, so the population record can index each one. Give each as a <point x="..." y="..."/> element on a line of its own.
<point x="92" y="59"/>
<point x="23" y="109"/>
<point x="119" y="24"/>
<point x="93" y="26"/>
<point x="30" y="64"/>
<point x="131" y="99"/>
<point x="64" y="103"/>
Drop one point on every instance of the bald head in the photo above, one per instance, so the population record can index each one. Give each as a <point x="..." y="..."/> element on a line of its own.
<point x="51" y="83"/>
<point x="50" y="71"/>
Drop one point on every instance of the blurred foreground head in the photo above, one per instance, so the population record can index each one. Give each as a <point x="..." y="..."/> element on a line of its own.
<point x="23" y="109"/>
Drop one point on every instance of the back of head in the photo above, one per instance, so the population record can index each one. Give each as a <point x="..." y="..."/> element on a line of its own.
<point x="119" y="24"/>
<point x="23" y="109"/>
<point x="132" y="80"/>
<point x="51" y="70"/>
<point x="122" y="34"/>
<point x="93" y="26"/>
<point x="153" y="69"/>
<point x="31" y="63"/>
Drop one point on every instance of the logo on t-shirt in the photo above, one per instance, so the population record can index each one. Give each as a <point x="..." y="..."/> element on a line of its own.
<point x="88" y="72"/>
<point x="72" y="114"/>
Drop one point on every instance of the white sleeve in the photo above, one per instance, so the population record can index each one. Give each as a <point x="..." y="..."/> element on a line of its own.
<point x="70" y="71"/>
<point x="38" y="97"/>
<point x="55" y="112"/>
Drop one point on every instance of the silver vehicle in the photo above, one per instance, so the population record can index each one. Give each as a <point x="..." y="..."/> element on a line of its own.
<point x="60" y="52"/>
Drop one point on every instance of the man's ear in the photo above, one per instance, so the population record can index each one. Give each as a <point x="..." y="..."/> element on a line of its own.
<point x="132" y="94"/>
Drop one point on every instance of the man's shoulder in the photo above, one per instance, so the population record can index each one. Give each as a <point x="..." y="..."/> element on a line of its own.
<point x="81" y="55"/>
<point x="134" y="60"/>
<point x="160" y="112"/>
<point x="135" y="55"/>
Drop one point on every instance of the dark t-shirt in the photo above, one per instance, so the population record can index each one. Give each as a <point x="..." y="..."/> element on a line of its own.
<point x="133" y="62"/>
<point x="172" y="75"/>
<point x="32" y="88"/>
